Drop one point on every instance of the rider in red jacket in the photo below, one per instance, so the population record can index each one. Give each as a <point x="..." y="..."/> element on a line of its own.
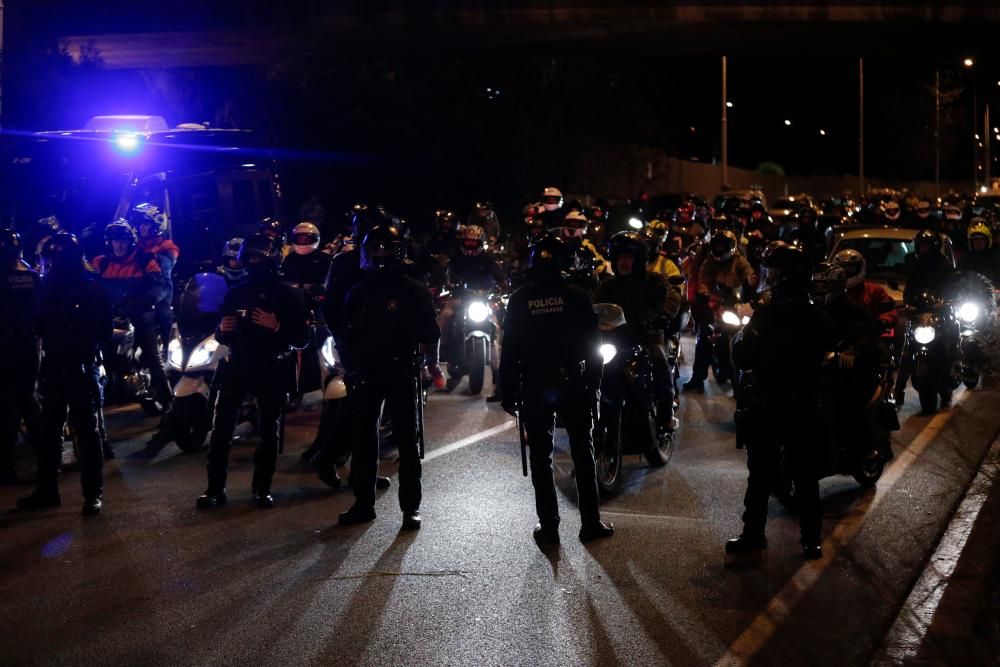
<point x="873" y="297"/>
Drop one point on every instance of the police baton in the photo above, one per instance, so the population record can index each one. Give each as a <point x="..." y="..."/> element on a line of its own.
<point x="519" y="417"/>
<point x="418" y="359"/>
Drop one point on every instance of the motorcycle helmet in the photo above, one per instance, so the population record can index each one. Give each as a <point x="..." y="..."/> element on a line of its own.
<point x="273" y="228"/>
<point x="784" y="269"/>
<point x="829" y="282"/>
<point x="923" y="209"/>
<point x="552" y="199"/>
<point x="952" y="213"/>
<point x="260" y="255"/>
<point x="757" y="212"/>
<point x="655" y="232"/>
<point x="926" y="243"/>
<point x="305" y="238"/>
<point x="445" y="221"/>
<point x="382" y="249"/>
<point x="807" y="218"/>
<point x="482" y="214"/>
<point x="722" y="246"/>
<point x="368" y="218"/>
<point x="231" y="265"/>
<point x="10" y="246"/>
<point x="61" y="254"/>
<point x="979" y="231"/>
<point x="574" y="226"/>
<point x="149" y="214"/>
<point x="685" y="212"/>
<point x="532" y="221"/>
<point x="119" y="230"/>
<point x="854" y="266"/>
<point x="924" y="302"/>
<point x="628" y="243"/>
<point x="472" y="240"/>
<point x="891" y="211"/>
<point x="549" y="255"/>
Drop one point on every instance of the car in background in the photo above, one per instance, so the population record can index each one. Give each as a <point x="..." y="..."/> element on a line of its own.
<point x="886" y="251"/>
<point x="745" y="196"/>
<point x="785" y="206"/>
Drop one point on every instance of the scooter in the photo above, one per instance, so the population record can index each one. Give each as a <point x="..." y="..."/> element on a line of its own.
<point x="628" y="421"/>
<point x="193" y="359"/>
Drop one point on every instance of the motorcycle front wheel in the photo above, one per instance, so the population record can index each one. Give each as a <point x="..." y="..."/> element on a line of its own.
<point x="608" y="450"/>
<point x="476" y="364"/>
<point x="868" y="472"/>
<point x="928" y="400"/>
<point x="189" y="422"/>
<point x="665" y="441"/>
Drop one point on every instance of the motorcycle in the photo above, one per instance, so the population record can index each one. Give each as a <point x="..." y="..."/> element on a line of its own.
<point x="123" y="377"/>
<point x="477" y="330"/>
<point x="730" y="316"/>
<point x="628" y="421"/>
<point x="932" y="335"/>
<point x="860" y="453"/>
<point x="193" y="358"/>
<point x="976" y="313"/>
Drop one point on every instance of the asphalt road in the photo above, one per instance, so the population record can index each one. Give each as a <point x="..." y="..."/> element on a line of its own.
<point x="152" y="581"/>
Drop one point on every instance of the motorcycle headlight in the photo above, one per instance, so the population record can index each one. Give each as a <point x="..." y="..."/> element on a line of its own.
<point x="202" y="354"/>
<point x="968" y="312"/>
<point x="745" y="321"/>
<point x="175" y="354"/>
<point x="478" y="311"/>
<point x="924" y="335"/>
<point x="329" y="353"/>
<point x="731" y="318"/>
<point x="608" y="352"/>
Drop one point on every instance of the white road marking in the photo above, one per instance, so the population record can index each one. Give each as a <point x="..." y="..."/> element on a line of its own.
<point x="917" y="614"/>
<point x="465" y="442"/>
<point x="766" y="624"/>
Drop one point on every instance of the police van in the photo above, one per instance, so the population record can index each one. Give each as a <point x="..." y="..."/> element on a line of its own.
<point x="213" y="184"/>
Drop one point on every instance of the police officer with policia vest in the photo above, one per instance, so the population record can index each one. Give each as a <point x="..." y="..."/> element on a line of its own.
<point x="550" y="365"/>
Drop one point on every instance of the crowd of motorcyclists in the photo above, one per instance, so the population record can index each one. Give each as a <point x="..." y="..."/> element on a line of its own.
<point x="795" y="331"/>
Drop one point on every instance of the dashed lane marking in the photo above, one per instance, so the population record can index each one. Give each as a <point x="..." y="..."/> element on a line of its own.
<point x="917" y="614"/>
<point x="471" y="440"/>
<point x="767" y="623"/>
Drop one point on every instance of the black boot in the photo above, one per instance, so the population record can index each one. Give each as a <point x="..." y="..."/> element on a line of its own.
<point x="39" y="500"/>
<point x="356" y="514"/>
<point x="411" y="520"/>
<point x="92" y="506"/>
<point x="545" y="535"/>
<point x="596" y="531"/>
<point x="211" y="498"/>
<point x="746" y="543"/>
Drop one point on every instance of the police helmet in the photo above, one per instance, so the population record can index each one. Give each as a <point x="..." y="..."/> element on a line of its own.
<point x="382" y="249"/>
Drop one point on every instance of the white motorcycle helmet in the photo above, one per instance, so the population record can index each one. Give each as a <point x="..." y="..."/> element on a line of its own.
<point x="552" y="199"/>
<point x="305" y="238"/>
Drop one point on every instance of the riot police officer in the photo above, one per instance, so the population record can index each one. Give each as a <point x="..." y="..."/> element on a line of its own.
<point x="74" y="321"/>
<point x="550" y="365"/>
<point x="19" y="295"/>
<point x="784" y="345"/>
<point x="386" y="318"/>
<point x="262" y="320"/>
<point x="151" y="224"/>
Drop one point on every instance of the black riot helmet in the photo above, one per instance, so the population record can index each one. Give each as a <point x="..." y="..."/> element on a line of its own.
<point x="368" y="218"/>
<point x="784" y="269"/>
<point x="628" y="243"/>
<point x="383" y="249"/>
<point x="829" y="282"/>
<point x="549" y="255"/>
<point x="260" y="256"/>
<point x="445" y="221"/>
<point x="61" y="254"/>
<point x="926" y="243"/>
<point x="10" y="246"/>
<point x="273" y="228"/>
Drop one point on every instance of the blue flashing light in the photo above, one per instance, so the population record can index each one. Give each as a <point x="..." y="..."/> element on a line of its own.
<point x="126" y="142"/>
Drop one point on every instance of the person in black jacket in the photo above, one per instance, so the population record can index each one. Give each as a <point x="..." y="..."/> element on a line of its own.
<point x="784" y="345"/>
<point x="387" y="317"/>
<point x="20" y="288"/>
<point x="263" y="319"/>
<point x="550" y="365"/>
<point x="982" y="257"/>
<point x="74" y="321"/>
<point x="651" y="306"/>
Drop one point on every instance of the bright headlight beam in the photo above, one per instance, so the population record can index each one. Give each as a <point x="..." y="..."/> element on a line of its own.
<point x="608" y="352"/>
<point x="478" y="311"/>
<point x="968" y="312"/>
<point x="924" y="335"/>
<point x="635" y="223"/>
<point x="175" y="353"/>
<point x="731" y="318"/>
<point x="202" y="354"/>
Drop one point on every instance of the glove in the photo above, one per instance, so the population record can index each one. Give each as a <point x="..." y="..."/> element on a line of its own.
<point x="847" y="359"/>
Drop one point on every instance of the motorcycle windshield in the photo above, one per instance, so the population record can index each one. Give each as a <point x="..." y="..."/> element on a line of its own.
<point x="201" y="302"/>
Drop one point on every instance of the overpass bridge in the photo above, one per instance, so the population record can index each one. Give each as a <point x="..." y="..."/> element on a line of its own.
<point x="225" y="33"/>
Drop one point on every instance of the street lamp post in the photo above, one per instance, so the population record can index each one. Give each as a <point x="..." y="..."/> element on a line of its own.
<point x="861" y="127"/>
<point x="937" y="132"/>
<point x="725" y="128"/>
